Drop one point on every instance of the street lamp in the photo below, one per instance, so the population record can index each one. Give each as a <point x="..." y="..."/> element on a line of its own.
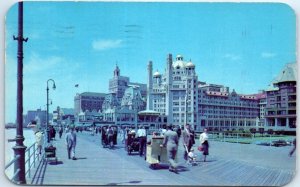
<point x="47" y="116"/>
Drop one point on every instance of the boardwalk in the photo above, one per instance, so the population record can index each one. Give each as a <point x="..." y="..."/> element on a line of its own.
<point x="228" y="164"/>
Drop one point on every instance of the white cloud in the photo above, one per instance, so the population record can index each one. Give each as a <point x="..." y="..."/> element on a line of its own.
<point x="36" y="63"/>
<point x="106" y="44"/>
<point x="267" y="55"/>
<point x="232" y="57"/>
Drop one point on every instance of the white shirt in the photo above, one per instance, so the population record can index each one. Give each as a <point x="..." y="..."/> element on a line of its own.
<point x="141" y="133"/>
<point x="203" y="137"/>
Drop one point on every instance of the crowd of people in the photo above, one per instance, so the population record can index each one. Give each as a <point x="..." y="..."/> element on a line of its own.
<point x="171" y="136"/>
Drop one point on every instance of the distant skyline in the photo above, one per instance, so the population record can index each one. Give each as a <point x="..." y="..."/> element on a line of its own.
<point x="239" y="45"/>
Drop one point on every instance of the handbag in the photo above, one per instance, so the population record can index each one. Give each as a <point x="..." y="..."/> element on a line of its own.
<point x="200" y="148"/>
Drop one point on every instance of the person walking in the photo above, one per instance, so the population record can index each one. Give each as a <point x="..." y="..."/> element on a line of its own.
<point x="171" y="142"/>
<point x="294" y="148"/>
<point x="52" y="133"/>
<point x="188" y="140"/>
<point x="71" y="143"/>
<point x="141" y="134"/>
<point x="60" y="131"/>
<point x="39" y="139"/>
<point x="110" y="134"/>
<point x="178" y="131"/>
<point x="204" y="143"/>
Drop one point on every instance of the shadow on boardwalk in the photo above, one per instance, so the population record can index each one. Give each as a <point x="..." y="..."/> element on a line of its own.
<point x="248" y="165"/>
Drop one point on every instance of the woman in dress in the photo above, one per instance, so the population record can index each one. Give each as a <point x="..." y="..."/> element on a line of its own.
<point x="204" y="143"/>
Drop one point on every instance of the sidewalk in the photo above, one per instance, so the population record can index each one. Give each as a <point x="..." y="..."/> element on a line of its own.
<point x="228" y="164"/>
<point x="94" y="166"/>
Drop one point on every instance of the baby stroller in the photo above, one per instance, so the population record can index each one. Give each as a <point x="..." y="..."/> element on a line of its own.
<point x="192" y="157"/>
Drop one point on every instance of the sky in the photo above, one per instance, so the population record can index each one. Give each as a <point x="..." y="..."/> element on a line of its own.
<point x="240" y="45"/>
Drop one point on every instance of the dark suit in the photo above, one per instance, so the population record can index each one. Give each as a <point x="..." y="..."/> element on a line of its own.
<point x="171" y="142"/>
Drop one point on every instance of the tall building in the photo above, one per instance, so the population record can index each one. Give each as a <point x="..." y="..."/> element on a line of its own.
<point x="281" y="100"/>
<point x="179" y="95"/>
<point x="174" y="93"/>
<point x="88" y="101"/>
<point x="118" y="84"/>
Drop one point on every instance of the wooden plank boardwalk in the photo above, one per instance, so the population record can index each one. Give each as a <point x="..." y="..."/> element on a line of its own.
<point x="101" y="166"/>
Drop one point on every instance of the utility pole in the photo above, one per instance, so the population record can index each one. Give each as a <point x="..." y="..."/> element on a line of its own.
<point x="19" y="148"/>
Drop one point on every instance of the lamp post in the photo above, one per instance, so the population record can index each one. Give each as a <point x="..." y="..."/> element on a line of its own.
<point x="19" y="148"/>
<point x="47" y="116"/>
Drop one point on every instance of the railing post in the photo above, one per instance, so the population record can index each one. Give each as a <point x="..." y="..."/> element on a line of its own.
<point x="29" y="158"/>
<point x="34" y="155"/>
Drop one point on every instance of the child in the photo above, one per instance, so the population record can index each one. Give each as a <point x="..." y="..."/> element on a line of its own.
<point x="192" y="157"/>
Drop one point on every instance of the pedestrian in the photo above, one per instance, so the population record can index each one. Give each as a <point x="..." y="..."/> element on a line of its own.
<point x="294" y="148"/>
<point x="204" y="143"/>
<point x="39" y="139"/>
<point x="71" y="143"/>
<point x="123" y="134"/>
<point x="163" y="130"/>
<point x="52" y="133"/>
<point x="115" y="135"/>
<point x="141" y="134"/>
<point x="171" y="142"/>
<point x="178" y="131"/>
<point x="188" y="140"/>
<point x="126" y="132"/>
<point x="60" y="131"/>
<point x="110" y="134"/>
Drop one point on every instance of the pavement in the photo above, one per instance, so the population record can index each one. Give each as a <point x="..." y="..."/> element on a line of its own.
<point x="227" y="164"/>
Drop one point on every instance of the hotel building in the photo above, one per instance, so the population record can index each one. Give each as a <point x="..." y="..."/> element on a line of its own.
<point x="179" y="95"/>
<point x="88" y="102"/>
<point x="221" y="110"/>
<point x="174" y="93"/>
<point x="281" y="100"/>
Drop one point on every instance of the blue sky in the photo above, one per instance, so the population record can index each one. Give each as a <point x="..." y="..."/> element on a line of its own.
<point x="240" y="45"/>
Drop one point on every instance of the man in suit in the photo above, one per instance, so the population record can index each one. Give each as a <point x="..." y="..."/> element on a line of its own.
<point x="188" y="139"/>
<point x="71" y="143"/>
<point x="171" y="142"/>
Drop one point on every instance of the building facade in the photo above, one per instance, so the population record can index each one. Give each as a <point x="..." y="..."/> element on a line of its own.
<point x="118" y="84"/>
<point x="220" y="109"/>
<point x="281" y="100"/>
<point x="88" y="101"/>
<point x="124" y="112"/>
<point x="174" y="93"/>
